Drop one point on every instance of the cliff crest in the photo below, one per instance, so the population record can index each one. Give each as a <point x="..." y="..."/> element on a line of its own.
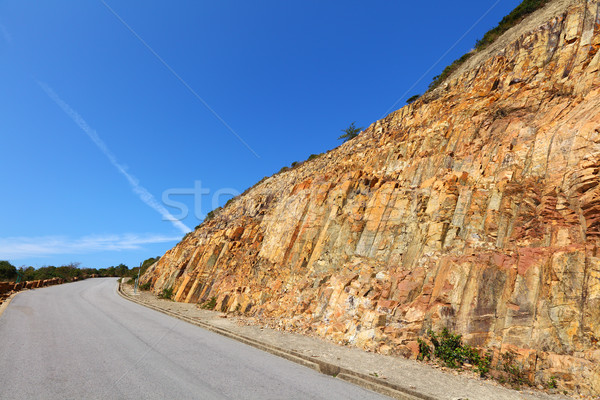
<point x="475" y="208"/>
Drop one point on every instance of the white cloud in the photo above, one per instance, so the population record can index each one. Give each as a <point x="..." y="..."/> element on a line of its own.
<point x="14" y="248"/>
<point x="137" y="188"/>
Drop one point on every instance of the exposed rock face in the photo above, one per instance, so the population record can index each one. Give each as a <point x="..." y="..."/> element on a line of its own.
<point x="475" y="208"/>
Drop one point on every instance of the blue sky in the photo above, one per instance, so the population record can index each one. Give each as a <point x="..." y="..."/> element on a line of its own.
<point x="96" y="129"/>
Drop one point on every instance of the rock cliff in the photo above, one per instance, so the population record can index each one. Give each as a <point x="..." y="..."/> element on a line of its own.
<point x="475" y="208"/>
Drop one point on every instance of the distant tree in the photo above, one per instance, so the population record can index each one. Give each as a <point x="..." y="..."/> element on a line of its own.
<point x="7" y="271"/>
<point x="28" y="273"/>
<point x="411" y="99"/>
<point x="350" y="132"/>
<point x="121" y="270"/>
<point x="45" y="272"/>
<point x="147" y="263"/>
<point x="133" y="272"/>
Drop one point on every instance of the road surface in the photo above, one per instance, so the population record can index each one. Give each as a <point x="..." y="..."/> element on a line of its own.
<point x="83" y="341"/>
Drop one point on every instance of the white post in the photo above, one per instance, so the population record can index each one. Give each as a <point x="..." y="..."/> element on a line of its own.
<point x="137" y="280"/>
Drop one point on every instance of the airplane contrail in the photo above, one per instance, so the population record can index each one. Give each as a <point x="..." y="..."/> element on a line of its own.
<point x="137" y="188"/>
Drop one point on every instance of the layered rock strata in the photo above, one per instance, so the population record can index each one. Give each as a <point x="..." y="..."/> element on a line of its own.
<point x="475" y="208"/>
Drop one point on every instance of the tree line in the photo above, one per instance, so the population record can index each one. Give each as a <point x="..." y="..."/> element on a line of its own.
<point x="9" y="272"/>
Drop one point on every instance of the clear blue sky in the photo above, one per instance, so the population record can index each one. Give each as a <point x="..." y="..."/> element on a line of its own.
<point x="93" y="123"/>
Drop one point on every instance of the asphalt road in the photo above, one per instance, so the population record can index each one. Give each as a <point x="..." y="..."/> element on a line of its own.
<point x="83" y="341"/>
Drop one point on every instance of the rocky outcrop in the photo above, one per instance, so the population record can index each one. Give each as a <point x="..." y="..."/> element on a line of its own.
<point x="476" y="208"/>
<point x="8" y="288"/>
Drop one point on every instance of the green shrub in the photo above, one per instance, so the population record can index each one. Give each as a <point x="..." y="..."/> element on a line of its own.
<point x="514" y="374"/>
<point x="145" y="286"/>
<point x="412" y="99"/>
<point x="437" y="80"/>
<point x="449" y="348"/>
<point x="513" y="18"/>
<point x="424" y="350"/>
<point x="166" y="293"/>
<point x="485" y="364"/>
<point x="212" y="214"/>
<point x="210" y="304"/>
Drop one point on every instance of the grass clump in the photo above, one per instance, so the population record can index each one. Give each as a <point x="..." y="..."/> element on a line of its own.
<point x="166" y="293"/>
<point x="210" y="304"/>
<point x="513" y="373"/>
<point x="438" y="79"/>
<point x="145" y="286"/>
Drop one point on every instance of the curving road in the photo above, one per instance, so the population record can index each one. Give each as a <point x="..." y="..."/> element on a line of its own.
<point x="83" y="341"/>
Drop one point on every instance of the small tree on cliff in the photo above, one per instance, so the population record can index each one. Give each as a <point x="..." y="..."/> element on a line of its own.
<point x="350" y="132"/>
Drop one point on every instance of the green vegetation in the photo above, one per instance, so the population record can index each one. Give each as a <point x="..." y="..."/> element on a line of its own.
<point x="70" y="271"/>
<point x="210" y="304"/>
<point x="166" y="293"/>
<point x="552" y="383"/>
<point x="145" y="265"/>
<point x="521" y="11"/>
<point x="350" y="132"/>
<point x="212" y="214"/>
<point x="8" y="272"/>
<point x="412" y="99"/>
<point x="424" y="350"/>
<point x="513" y="18"/>
<point x="145" y="286"/>
<point x="452" y="352"/>
<point x="438" y="79"/>
<point x="513" y="373"/>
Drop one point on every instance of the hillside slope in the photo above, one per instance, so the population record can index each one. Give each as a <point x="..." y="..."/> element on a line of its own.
<point x="475" y="208"/>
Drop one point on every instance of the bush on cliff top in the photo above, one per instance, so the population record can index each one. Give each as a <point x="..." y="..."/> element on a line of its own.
<point x="510" y="20"/>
